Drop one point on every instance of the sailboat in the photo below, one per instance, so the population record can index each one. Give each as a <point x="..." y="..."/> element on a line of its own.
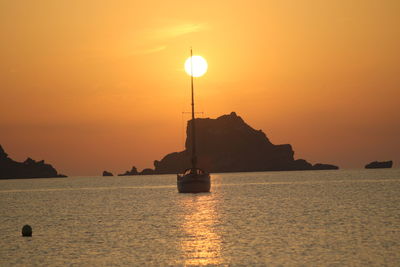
<point x="194" y="179"/>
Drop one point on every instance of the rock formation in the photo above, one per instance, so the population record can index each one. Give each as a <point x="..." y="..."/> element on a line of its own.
<point x="379" y="164"/>
<point x="228" y="144"/>
<point x="147" y="171"/>
<point x="320" y="166"/>
<point x="106" y="173"/>
<point x="10" y="169"/>
<point x="133" y="171"/>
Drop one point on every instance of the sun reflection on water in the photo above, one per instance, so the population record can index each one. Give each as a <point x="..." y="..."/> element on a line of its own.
<point x="201" y="244"/>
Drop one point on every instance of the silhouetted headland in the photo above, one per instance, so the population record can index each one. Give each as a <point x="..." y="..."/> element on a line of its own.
<point x="379" y="165"/>
<point x="228" y="144"/>
<point x="106" y="173"/>
<point x="10" y="169"/>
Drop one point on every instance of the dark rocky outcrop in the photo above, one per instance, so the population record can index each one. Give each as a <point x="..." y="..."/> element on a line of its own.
<point x="106" y="173"/>
<point x="133" y="171"/>
<point x="147" y="171"/>
<point x="320" y="166"/>
<point x="379" y="164"/>
<point x="228" y="144"/>
<point x="10" y="169"/>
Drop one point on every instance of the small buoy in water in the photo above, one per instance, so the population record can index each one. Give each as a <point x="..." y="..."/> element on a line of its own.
<point x="27" y="230"/>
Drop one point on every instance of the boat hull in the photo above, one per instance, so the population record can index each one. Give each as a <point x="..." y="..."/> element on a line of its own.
<point x="194" y="183"/>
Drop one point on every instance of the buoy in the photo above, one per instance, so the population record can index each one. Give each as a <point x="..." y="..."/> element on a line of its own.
<point x="27" y="230"/>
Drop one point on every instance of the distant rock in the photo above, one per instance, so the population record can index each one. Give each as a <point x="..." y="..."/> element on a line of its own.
<point x="147" y="171"/>
<point x="320" y="166"/>
<point x="379" y="164"/>
<point x="301" y="165"/>
<point x="10" y="169"/>
<point x="106" y="173"/>
<point x="133" y="171"/>
<point x="228" y="144"/>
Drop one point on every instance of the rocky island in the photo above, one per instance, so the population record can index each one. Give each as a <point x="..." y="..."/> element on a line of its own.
<point x="379" y="165"/>
<point x="133" y="171"/>
<point x="10" y="169"/>
<point x="228" y="144"/>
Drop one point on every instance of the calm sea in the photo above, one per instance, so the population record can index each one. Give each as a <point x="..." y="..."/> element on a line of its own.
<point x="309" y="218"/>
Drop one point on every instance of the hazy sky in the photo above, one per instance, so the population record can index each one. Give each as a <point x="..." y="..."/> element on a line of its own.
<point x="99" y="85"/>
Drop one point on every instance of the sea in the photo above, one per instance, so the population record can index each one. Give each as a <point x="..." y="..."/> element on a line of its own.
<point x="297" y="218"/>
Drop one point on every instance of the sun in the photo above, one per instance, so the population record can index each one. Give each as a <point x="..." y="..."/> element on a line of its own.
<point x="196" y="66"/>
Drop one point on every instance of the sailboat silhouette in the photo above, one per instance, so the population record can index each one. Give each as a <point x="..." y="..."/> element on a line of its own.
<point x="194" y="179"/>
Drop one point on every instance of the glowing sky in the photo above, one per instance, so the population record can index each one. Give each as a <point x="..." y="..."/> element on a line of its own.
<point x="99" y="85"/>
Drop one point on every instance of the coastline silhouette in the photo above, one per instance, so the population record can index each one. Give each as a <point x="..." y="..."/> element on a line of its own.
<point x="226" y="144"/>
<point x="11" y="169"/>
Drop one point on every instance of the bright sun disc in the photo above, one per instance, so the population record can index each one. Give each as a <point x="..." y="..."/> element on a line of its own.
<point x="199" y="65"/>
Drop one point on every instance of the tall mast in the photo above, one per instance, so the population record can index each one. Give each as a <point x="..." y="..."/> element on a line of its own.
<point x="194" y="157"/>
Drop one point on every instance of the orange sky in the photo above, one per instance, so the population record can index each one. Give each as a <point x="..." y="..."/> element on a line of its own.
<point x="99" y="85"/>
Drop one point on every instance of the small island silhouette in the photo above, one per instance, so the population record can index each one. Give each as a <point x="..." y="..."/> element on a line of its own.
<point x="10" y="169"/>
<point x="106" y="173"/>
<point x="379" y="165"/>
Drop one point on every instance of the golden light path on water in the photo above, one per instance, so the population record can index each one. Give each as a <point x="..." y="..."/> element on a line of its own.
<point x="201" y="244"/>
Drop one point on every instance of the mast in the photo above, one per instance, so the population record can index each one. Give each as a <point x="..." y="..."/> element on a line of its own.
<point x="194" y="157"/>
